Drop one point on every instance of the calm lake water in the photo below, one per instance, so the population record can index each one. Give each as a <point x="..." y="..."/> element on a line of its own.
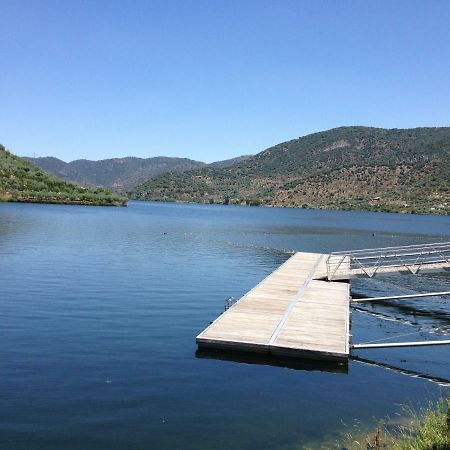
<point x="100" y="308"/>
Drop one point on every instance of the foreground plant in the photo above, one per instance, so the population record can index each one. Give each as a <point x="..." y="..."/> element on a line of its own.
<point x="427" y="429"/>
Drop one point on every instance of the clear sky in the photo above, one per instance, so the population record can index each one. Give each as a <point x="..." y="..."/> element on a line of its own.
<point x="213" y="79"/>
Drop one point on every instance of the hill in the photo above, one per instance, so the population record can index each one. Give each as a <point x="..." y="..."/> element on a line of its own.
<point x="403" y="170"/>
<point x="21" y="181"/>
<point x="116" y="174"/>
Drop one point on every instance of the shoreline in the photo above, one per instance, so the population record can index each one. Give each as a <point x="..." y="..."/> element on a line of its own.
<point x="437" y="212"/>
<point x="65" y="202"/>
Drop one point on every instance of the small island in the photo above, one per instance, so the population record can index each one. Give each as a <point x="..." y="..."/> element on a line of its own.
<point x="21" y="181"/>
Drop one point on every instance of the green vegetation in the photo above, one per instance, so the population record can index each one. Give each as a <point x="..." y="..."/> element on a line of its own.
<point x="120" y="174"/>
<point x="427" y="430"/>
<point x="344" y="168"/>
<point x="117" y="174"/>
<point x="20" y="181"/>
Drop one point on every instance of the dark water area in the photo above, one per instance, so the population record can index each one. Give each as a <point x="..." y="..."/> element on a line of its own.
<point x="100" y="308"/>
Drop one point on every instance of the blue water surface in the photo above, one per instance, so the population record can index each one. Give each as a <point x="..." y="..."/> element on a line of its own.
<point x="100" y="308"/>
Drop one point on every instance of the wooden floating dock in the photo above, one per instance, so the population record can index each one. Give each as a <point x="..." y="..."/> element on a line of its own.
<point x="289" y="313"/>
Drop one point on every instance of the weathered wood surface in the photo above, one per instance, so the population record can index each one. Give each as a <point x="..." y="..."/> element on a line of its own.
<point x="288" y="313"/>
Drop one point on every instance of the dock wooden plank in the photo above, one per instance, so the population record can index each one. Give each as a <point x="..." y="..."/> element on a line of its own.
<point x="289" y="313"/>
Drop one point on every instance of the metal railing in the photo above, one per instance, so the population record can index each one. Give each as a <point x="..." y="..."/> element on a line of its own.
<point x="369" y="262"/>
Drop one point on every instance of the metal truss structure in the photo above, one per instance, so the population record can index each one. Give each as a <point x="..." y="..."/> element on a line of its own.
<point x="370" y="262"/>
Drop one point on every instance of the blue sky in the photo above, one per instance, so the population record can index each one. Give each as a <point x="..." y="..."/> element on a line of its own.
<point x="214" y="79"/>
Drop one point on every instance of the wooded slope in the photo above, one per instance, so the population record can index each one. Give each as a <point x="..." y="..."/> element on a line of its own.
<point x="22" y="181"/>
<point x="405" y="170"/>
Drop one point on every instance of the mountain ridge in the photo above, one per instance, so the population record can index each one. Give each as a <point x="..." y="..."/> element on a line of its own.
<point x="117" y="174"/>
<point x="356" y="167"/>
<point x="120" y="174"/>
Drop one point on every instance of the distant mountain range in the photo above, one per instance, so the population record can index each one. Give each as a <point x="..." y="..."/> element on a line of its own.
<point x="404" y="170"/>
<point x="21" y="181"/>
<point x="120" y="174"/>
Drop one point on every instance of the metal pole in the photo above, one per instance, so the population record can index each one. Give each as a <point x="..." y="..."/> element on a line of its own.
<point x="397" y="297"/>
<point x="402" y="344"/>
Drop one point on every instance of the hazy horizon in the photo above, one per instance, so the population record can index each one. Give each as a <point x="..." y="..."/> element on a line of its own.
<point x="206" y="162"/>
<point x="123" y="157"/>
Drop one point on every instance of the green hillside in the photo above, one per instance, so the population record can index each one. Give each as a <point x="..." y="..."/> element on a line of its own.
<point x="120" y="174"/>
<point x="116" y="174"/>
<point x="404" y="170"/>
<point x="21" y="181"/>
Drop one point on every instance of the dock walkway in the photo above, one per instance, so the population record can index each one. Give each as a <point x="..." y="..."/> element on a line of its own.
<point x="406" y="259"/>
<point x="289" y="313"/>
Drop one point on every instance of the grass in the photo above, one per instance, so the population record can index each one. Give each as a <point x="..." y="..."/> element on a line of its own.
<point x="427" y="429"/>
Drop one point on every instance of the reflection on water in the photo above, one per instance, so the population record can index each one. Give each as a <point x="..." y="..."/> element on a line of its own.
<point x="101" y="306"/>
<point x="273" y="360"/>
<point x="444" y="382"/>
